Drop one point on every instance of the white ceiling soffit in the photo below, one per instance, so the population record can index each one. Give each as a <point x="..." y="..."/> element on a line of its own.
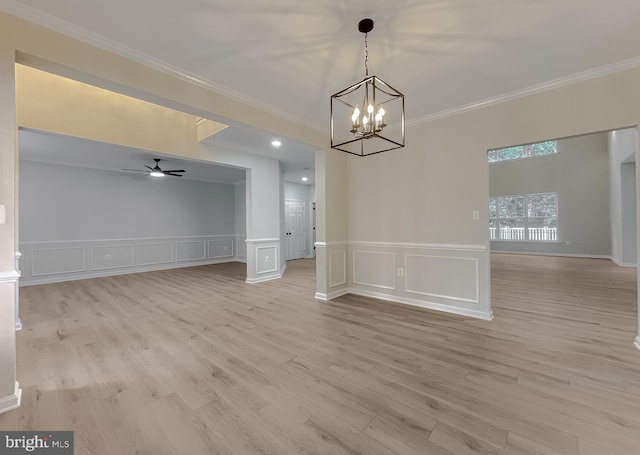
<point x="290" y="56"/>
<point x="72" y="151"/>
<point x="294" y="155"/>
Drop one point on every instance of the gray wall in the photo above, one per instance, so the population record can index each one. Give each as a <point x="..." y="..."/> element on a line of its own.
<point x="78" y="223"/>
<point x="241" y="219"/>
<point x="579" y="173"/>
<point x="71" y="203"/>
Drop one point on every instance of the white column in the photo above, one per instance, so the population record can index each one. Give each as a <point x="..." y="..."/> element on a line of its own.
<point x="9" y="389"/>
<point x="17" y="306"/>
<point x="331" y="224"/>
<point x="263" y="221"/>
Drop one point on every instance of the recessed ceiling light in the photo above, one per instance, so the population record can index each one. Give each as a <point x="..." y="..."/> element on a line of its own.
<point x="276" y="143"/>
<point x="304" y="179"/>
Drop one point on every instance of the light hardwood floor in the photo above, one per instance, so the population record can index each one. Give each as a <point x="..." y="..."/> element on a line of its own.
<point x="195" y="361"/>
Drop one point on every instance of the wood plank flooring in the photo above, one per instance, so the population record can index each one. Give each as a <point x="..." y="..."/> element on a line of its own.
<point x="195" y="361"/>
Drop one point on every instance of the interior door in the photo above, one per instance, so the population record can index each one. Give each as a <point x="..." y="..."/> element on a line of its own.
<point x="295" y="229"/>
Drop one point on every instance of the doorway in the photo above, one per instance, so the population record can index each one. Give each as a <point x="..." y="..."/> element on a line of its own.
<point x="550" y="231"/>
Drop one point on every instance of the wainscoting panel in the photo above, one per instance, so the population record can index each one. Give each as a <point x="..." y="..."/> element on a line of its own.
<point x="49" y="262"/>
<point x="444" y="277"/>
<point x="191" y="251"/>
<point x="452" y="278"/>
<point x="55" y="261"/>
<point x="266" y="259"/>
<point x="337" y="268"/>
<point x="155" y="253"/>
<point x="112" y="257"/>
<point x="374" y="269"/>
<point x="220" y="249"/>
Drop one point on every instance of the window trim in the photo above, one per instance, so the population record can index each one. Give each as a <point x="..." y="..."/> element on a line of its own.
<point x="526" y="219"/>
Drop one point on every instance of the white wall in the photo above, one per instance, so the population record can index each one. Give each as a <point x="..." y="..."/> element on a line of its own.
<point x="622" y="150"/>
<point x="240" y="222"/>
<point x="77" y="222"/>
<point x="307" y="194"/>
<point x="579" y="173"/>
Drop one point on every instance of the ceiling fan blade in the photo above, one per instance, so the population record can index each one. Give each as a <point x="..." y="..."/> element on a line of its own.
<point x="173" y="170"/>
<point x="169" y="173"/>
<point x="134" y="170"/>
<point x="148" y="167"/>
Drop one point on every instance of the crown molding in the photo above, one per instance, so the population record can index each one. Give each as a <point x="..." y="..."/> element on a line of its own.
<point x="57" y="25"/>
<point x="533" y="90"/>
<point x="73" y="31"/>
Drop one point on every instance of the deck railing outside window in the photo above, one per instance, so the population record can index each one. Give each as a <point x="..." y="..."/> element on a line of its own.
<point x="538" y="234"/>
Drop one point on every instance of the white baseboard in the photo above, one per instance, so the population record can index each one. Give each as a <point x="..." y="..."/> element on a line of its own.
<point x="12" y="401"/>
<point x="566" y="255"/>
<point x="262" y="279"/>
<point x="487" y="316"/>
<point x="113" y="272"/>
<point x="637" y="342"/>
<point x="331" y="295"/>
<point x="242" y="259"/>
<point x="623" y="264"/>
<point x="419" y="303"/>
<point x="569" y="255"/>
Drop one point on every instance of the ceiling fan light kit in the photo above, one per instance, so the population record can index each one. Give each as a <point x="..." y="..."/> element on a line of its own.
<point x="156" y="171"/>
<point x="367" y="117"/>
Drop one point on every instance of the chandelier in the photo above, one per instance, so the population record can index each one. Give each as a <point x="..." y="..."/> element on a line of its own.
<point x="368" y="117"/>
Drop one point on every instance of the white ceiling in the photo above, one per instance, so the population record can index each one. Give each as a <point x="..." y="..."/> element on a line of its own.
<point x="292" y="55"/>
<point x="73" y="151"/>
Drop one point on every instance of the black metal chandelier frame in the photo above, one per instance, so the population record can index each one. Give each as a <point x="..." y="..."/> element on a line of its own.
<point x="376" y="94"/>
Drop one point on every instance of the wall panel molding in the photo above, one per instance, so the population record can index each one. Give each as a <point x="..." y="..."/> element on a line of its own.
<point x="443" y="277"/>
<point x="163" y="253"/>
<point x="220" y="249"/>
<point x="374" y="272"/>
<point x="191" y="251"/>
<point x="102" y="257"/>
<point x="58" y="261"/>
<point x="438" y="275"/>
<point x="266" y="259"/>
<point x="68" y="260"/>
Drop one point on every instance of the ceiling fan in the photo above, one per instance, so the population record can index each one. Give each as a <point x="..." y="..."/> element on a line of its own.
<point x="156" y="171"/>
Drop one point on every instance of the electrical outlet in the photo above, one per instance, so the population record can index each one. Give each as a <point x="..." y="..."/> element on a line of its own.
<point x="400" y="271"/>
<point x="476" y="214"/>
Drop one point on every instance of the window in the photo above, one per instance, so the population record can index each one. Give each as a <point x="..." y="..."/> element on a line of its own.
<point x="531" y="217"/>
<point x="522" y="151"/>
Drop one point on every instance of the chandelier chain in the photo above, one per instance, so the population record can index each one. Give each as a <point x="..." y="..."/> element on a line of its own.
<point x="366" y="56"/>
